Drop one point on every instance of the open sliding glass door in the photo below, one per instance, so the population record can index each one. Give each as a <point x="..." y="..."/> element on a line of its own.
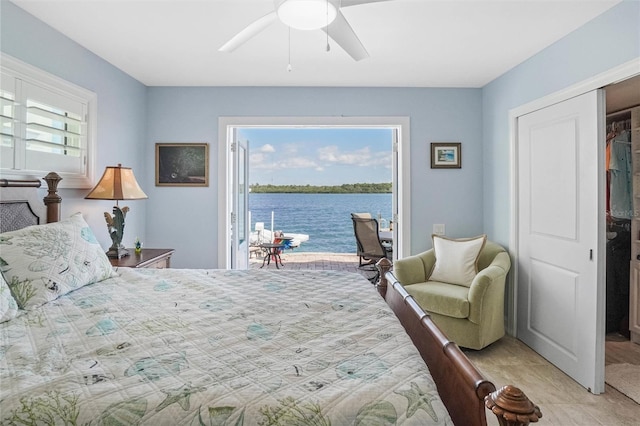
<point x="240" y="205"/>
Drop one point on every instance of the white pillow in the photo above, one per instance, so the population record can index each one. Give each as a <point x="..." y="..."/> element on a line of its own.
<point x="43" y="262"/>
<point x="456" y="260"/>
<point x="8" y="305"/>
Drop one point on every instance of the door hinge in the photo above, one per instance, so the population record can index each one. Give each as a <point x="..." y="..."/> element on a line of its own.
<point x="234" y="146"/>
<point x="233" y="217"/>
<point x="591" y="254"/>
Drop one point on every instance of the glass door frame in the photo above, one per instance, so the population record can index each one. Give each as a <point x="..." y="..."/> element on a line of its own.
<point x="401" y="177"/>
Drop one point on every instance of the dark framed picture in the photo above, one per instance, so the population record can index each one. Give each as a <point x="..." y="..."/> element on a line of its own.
<point x="446" y="155"/>
<point x="182" y="164"/>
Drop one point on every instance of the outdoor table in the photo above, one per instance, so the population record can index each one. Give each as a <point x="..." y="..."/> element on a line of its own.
<point x="273" y="252"/>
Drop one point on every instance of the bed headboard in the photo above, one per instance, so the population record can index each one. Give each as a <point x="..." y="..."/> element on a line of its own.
<point x="20" y="205"/>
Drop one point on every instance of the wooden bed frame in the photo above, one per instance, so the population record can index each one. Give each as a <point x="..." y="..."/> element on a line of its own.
<point x="463" y="390"/>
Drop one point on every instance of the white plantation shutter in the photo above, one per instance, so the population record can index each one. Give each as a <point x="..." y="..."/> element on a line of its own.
<point x="55" y="132"/>
<point x="7" y="121"/>
<point x="46" y="125"/>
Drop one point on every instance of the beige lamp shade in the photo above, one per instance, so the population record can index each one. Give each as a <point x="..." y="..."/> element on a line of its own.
<point x="117" y="183"/>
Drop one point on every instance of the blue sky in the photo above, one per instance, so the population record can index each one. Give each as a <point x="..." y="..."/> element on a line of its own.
<point x="318" y="156"/>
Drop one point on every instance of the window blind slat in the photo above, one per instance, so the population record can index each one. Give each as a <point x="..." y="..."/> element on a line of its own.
<point x="42" y="128"/>
<point x="7" y="126"/>
<point x="53" y="148"/>
<point x="58" y="116"/>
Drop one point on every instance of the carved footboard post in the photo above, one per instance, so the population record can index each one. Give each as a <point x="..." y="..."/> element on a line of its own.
<point x="512" y="407"/>
<point x="52" y="200"/>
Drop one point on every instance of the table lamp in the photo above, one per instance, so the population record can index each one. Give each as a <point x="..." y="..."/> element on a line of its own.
<point x="117" y="183"/>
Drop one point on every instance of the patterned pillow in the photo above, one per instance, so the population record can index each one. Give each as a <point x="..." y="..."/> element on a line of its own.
<point x="43" y="262"/>
<point x="456" y="260"/>
<point x="8" y="305"/>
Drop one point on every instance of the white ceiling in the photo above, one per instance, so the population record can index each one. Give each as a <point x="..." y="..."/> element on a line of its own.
<point x="412" y="43"/>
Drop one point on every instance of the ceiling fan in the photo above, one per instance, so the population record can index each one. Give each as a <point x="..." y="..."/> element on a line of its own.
<point x="309" y="15"/>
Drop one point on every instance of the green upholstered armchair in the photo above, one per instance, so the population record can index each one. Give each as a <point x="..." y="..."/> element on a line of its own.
<point x="473" y="316"/>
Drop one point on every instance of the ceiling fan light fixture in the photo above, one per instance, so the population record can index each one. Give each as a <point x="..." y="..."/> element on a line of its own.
<point x="307" y="14"/>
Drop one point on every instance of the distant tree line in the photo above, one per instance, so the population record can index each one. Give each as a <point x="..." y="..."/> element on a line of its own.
<point x="347" y="188"/>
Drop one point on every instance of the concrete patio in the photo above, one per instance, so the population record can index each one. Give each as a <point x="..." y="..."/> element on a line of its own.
<point x="301" y="260"/>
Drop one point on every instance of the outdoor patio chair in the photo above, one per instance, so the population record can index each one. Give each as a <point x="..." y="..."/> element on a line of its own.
<point x="370" y="249"/>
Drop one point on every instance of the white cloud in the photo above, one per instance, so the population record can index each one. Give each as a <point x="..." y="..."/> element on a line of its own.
<point x="269" y="162"/>
<point x="257" y="159"/>
<point x="292" y="149"/>
<point x="267" y="148"/>
<point x="359" y="157"/>
<point x="299" y="163"/>
<point x="310" y="159"/>
<point x="291" y="157"/>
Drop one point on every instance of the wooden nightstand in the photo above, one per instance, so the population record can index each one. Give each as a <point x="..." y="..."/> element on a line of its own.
<point x="147" y="258"/>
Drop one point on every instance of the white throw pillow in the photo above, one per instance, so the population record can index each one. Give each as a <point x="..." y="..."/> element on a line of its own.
<point x="43" y="262"/>
<point x="456" y="259"/>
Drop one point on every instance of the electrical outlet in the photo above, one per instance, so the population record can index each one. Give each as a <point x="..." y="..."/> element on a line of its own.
<point x="438" y="228"/>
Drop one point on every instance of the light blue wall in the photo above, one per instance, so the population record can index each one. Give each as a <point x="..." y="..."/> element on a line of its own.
<point x="121" y="109"/>
<point x="132" y="118"/>
<point x="187" y="217"/>
<point x="609" y="40"/>
<point x="474" y="199"/>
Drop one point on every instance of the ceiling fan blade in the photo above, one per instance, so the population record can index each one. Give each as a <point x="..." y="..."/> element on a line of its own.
<point x="251" y="30"/>
<point x="342" y="33"/>
<point x="347" y="3"/>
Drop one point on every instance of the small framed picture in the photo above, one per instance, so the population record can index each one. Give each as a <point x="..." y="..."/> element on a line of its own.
<point x="446" y="155"/>
<point x="182" y="164"/>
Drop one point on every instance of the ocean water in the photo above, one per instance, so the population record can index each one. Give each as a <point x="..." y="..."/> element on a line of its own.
<point x="326" y="218"/>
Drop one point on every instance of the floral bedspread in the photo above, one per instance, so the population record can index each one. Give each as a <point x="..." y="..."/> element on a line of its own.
<point x="215" y="347"/>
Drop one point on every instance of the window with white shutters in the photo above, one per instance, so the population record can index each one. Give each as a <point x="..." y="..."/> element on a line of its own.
<point x="46" y="125"/>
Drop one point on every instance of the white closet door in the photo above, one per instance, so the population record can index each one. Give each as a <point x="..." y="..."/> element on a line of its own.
<point x="560" y="289"/>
